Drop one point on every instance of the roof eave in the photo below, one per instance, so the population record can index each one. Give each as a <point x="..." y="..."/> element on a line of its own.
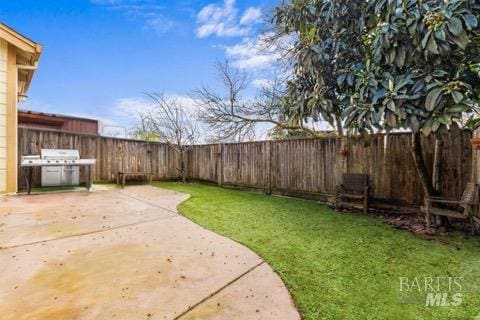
<point x="28" y="49"/>
<point x="20" y="41"/>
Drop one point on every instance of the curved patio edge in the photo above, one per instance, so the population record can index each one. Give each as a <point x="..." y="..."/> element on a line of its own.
<point x="258" y="293"/>
<point x="127" y="254"/>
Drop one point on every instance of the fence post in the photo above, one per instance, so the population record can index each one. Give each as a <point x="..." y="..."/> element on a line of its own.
<point x="475" y="163"/>
<point x="345" y="155"/>
<point x="220" y="164"/>
<point x="269" y="172"/>
<point x="386" y="159"/>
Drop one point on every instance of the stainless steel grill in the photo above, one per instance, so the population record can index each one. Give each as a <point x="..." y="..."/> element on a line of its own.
<point x="59" y="167"/>
<point x="63" y="174"/>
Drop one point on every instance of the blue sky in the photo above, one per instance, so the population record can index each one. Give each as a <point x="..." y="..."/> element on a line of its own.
<point x="101" y="55"/>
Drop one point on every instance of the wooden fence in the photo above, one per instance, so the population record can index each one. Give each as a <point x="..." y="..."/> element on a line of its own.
<point x="310" y="168"/>
<point x="112" y="154"/>
<point x="476" y="168"/>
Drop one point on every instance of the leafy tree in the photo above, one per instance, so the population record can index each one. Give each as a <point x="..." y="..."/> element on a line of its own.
<point x="415" y="65"/>
<point x="420" y="70"/>
<point x="329" y="45"/>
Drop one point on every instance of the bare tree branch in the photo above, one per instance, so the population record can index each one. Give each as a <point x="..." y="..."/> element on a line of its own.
<point x="231" y="117"/>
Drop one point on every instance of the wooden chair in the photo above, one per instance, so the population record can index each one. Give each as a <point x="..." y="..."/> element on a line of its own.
<point x="476" y="222"/>
<point x="464" y="210"/>
<point x="354" y="187"/>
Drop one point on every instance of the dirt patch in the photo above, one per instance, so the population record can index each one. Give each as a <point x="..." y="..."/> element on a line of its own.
<point x="414" y="222"/>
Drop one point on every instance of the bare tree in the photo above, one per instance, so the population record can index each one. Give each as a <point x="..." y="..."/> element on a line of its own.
<point x="168" y="122"/>
<point x="229" y="116"/>
<point x="142" y="129"/>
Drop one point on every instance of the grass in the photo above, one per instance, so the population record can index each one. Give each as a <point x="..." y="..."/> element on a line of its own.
<point x="339" y="265"/>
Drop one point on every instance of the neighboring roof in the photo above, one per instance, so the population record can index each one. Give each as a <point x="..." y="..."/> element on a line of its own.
<point x="51" y="115"/>
<point x="27" y="58"/>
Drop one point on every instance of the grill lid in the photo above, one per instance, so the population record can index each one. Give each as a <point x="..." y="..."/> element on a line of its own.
<point x="60" y="154"/>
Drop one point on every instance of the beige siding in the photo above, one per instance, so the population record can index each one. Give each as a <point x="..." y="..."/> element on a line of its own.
<point x="3" y="114"/>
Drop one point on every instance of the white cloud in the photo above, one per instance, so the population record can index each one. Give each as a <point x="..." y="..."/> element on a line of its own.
<point x="188" y="103"/>
<point x="130" y="107"/>
<point x="147" y="11"/>
<point x="223" y="20"/>
<point x="262" y="83"/>
<point x="251" y="15"/>
<point x="126" y="112"/>
<point x="256" y="62"/>
<point x="252" y="54"/>
<point x="159" y="24"/>
<point x="215" y="12"/>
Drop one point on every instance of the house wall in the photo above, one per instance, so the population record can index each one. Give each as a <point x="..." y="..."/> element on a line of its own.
<point x="3" y="115"/>
<point x="57" y="122"/>
<point x="8" y="117"/>
<point x="12" y="118"/>
<point x="80" y="126"/>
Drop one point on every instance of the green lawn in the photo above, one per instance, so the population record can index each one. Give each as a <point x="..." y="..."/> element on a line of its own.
<point x="339" y="265"/>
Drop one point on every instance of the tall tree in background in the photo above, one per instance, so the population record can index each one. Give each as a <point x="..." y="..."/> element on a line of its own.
<point x="142" y="130"/>
<point x="415" y="64"/>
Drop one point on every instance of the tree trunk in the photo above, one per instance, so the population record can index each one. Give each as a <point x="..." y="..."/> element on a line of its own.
<point x="437" y="160"/>
<point x="182" y="166"/>
<point x="339" y="125"/>
<point x="421" y="166"/>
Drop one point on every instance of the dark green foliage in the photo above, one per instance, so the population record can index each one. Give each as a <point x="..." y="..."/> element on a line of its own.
<point x="329" y="44"/>
<point x="396" y="63"/>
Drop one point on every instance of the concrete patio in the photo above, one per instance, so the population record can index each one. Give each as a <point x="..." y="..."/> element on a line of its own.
<point x="126" y="254"/>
